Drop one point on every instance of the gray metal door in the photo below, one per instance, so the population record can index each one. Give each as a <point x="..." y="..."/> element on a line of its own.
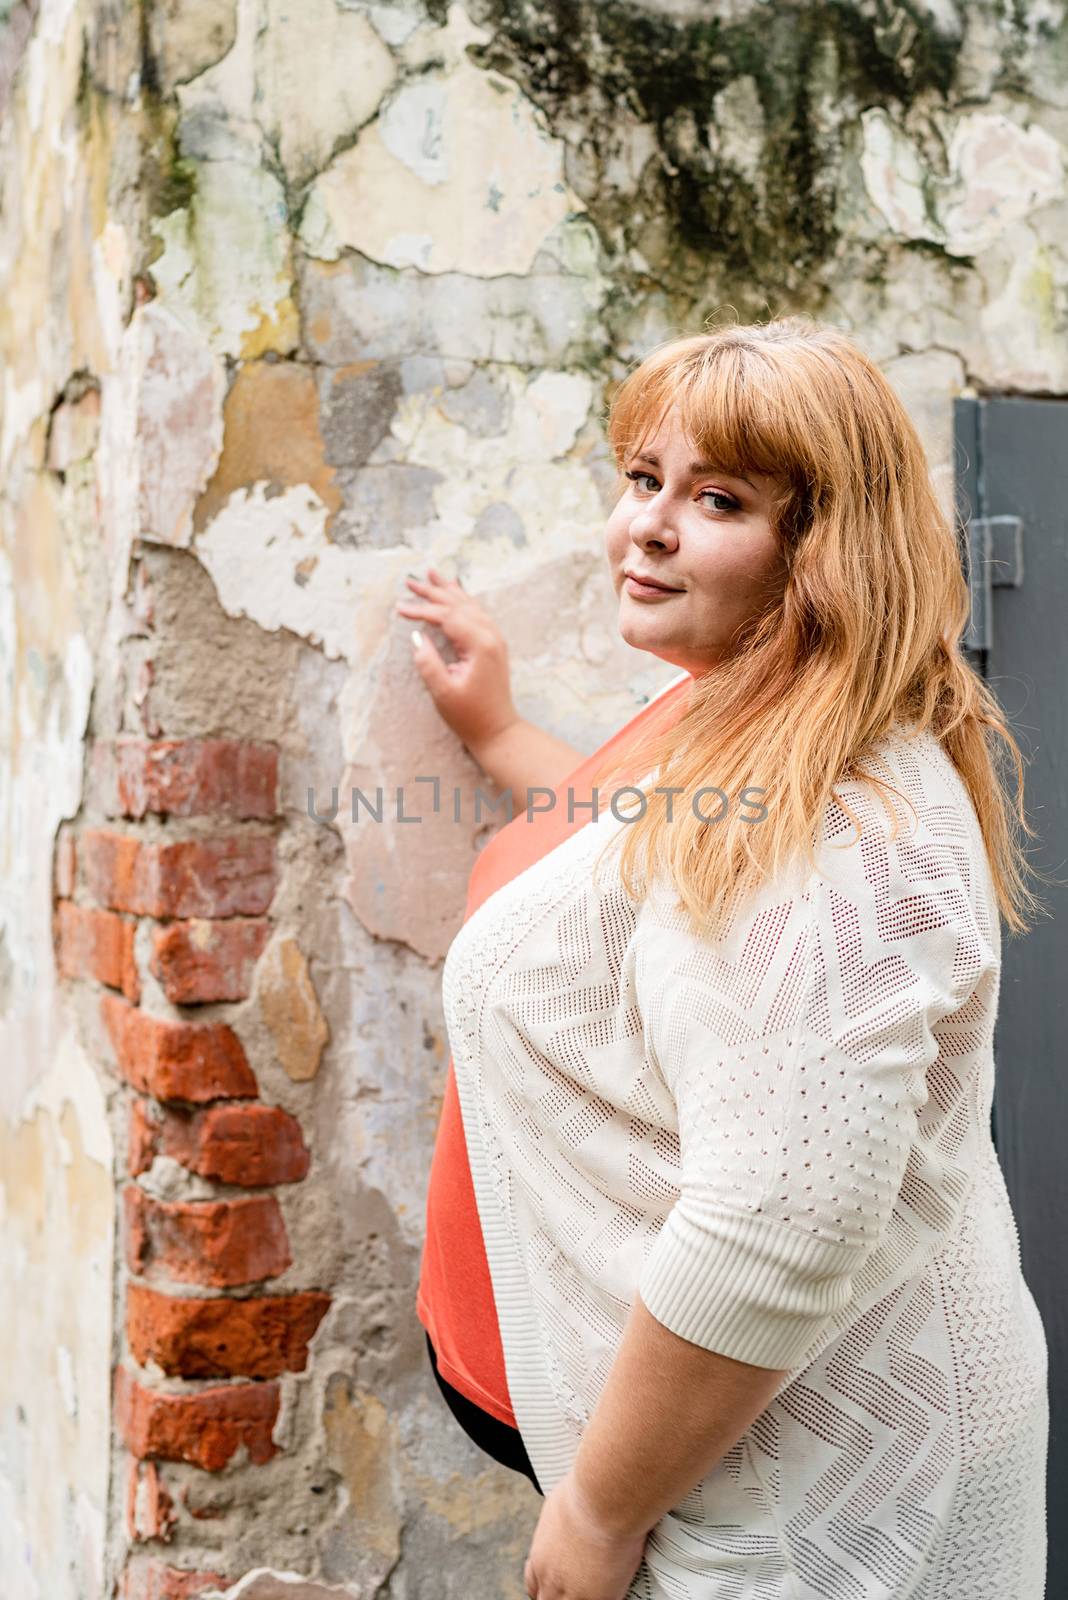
<point x="1011" y="499"/>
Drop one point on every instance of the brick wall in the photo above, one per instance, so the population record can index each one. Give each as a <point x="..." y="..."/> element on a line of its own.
<point x="162" y="908"/>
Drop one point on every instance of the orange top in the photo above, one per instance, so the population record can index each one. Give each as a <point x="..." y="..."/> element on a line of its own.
<point x="455" y="1299"/>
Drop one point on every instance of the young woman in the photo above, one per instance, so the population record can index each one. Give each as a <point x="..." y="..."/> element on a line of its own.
<point x="719" y="1251"/>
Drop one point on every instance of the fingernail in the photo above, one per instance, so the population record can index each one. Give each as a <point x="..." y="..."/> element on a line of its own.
<point x="417" y="639"/>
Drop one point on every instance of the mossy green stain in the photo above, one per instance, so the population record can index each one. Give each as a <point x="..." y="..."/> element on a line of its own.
<point x="580" y="59"/>
<point x="176" y="186"/>
<point x="874" y="70"/>
<point x="83" y="98"/>
<point x="149" y="67"/>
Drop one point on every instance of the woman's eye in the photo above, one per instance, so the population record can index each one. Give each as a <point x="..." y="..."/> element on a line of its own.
<point x="648" y="484"/>
<point x="731" y="505"/>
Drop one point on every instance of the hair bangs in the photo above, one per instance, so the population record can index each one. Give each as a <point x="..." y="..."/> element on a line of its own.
<point x="731" y="413"/>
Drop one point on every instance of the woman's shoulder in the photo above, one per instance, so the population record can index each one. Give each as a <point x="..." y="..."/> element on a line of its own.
<point x="904" y="832"/>
<point x="898" y="845"/>
<point x="905" y="785"/>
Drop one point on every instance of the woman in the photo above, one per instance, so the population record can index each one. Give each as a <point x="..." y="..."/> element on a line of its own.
<point x="723" y="1054"/>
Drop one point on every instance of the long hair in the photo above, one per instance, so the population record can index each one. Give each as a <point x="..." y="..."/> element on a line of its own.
<point x="865" y="634"/>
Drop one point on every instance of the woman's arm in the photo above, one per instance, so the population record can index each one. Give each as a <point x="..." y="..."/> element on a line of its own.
<point x="669" y="1411"/>
<point x="522" y="756"/>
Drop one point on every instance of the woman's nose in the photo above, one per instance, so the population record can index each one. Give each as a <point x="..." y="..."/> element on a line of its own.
<point x="652" y="526"/>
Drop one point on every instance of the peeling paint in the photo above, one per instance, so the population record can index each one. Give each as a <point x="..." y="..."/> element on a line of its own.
<point x="270" y="559"/>
<point x="264" y="1584"/>
<point x="272" y="435"/>
<point x="465" y="154"/>
<point x="225" y="268"/>
<point x="179" y="427"/>
<point x="343" y="55"/>
<point x="998" y="174"/>
<point x="291" y="1009"/>
<point x="56" y="1219"/>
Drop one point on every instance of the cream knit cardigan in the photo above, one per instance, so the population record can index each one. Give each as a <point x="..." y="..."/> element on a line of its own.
<point x="785" y="1147"/>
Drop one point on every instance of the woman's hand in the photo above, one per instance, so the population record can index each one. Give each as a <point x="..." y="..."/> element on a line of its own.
<point x="473" y="693"/>
<point x="572" y="1557"/>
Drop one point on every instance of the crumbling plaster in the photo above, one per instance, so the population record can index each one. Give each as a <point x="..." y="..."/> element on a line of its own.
<point x="62" y="265"/>
<point x="297" y="298"/>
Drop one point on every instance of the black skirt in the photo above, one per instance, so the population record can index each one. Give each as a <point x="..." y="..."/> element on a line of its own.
<point x="498" y="1439"/>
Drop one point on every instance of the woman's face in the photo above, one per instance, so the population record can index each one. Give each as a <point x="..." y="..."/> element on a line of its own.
<point x="703" y="533"/>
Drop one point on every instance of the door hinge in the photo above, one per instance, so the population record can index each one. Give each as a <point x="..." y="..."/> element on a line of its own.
<point x="995" y="561"/>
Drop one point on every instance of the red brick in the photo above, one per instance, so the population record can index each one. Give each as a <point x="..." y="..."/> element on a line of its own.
<point x="247" y="1144"/>
<point x="260" y="1337"/>
<point x="200" y="961"/>
<point x="143" y="1137"/>
<point x="152" y="1580"/>
<point x="205" y="1428"/>
<point x="219" y="1244"/>
<point x="98" y="945"/>
<point x="150" y="1512"/>
<point x="227" y="877"/>
<point x="109" y="864"/>
<point x="64" y="868"/>
<point x="177" y="1060"/>
<point x="189" y="778"/>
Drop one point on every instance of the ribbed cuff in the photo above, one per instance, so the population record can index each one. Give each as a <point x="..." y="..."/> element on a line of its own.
<point x="744" y="1285"/>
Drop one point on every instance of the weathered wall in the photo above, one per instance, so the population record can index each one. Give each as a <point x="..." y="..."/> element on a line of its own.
<point x="295" y="299"/>
<point x="64" y="274"/>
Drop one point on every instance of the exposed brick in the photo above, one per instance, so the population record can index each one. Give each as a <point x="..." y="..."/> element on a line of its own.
<point x="111" y="864"/>
<point x="143" y="1135"/>
<point x="188" y="778"/>
<point x="205" y="1428"/>
<point x="64" y="868"/>
<point x="217" y="1243"/>
<point x="153" y="1580"/>
<point x="227" y="877"/>
<point x="200" y="961"/>
<point x="260" y="1337"/>
<point x="247" y="1144"/>
<point x="150" y="1512"/>
<point x="177" y="1060"/>
<point x="98" y="945"/>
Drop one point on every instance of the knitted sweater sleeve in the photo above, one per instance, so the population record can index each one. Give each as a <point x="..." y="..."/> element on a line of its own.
<point x="796" y="1052"/>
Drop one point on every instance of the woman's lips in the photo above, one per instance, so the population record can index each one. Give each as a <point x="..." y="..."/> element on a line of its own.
<point x="648" y="591"/>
